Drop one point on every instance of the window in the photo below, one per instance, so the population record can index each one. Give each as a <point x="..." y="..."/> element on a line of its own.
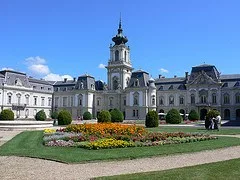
<point x="64" y="101"/>
<point x="125" y="56"/>
<point x="43" y="101"/>
<point x="134" y="113"/>
<point x="34" y="87"/>
<point x="214" y="98"/>
<point x="171" y="87"/>
<point x="226" y="99"/>
<point x="98" y="101"/>
<point x="49" y="101"/>
<point x="135" y="98"/>
<point x="192" y="99"/>
<point x="136" y="83"/>
<point x="49" y="89"/>
<point x="153" y="100"/>
<point x="160" y="88"/>
<point x="237" y="98"/>
<point x="80" y="97"/>
<point x="115" y="82"/>
<point x="9" y="99"/>
<point x="161" y="101"/>
<point x="116" y="55"/>
<point x="124" y="102"/>
<point x="71" y="100"/>
<point x="42" y="88"/>
<point x="203" y="99"/>
<point x="34" y="112"/>
<point x="110" y="101"/>
<point x="27" y="99"/>
<point x="18" y="98"/>
<point x="56" y="101"/>
<point x="171" y="100"/>
<point x="181" y="100"/>
<point x="35" y="100"/>
<point x="27" y="113"/>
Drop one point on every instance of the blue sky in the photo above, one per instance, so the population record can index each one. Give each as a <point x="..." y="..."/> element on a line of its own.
<point x="52" y="38"/>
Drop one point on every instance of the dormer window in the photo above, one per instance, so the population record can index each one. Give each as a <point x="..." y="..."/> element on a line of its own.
<point x="160" y="88"/>
<point x="136" y="83"/>
<point x="171" y="87"/>
<point x="153" y="100"/>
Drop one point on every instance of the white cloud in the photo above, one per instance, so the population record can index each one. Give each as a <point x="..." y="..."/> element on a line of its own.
<point x="7" y="69"/>
<point x="162" y="70"/>
<point x="35" y="60"/>
<point x="56" y="77"/>
<point x="39" y="69"/>
<point x="101" y="66"/>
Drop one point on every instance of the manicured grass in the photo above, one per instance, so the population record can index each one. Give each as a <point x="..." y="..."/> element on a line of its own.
<point x="29" y="144"/>
<point x="223" y="131"/>
<point x="220" y="170"/>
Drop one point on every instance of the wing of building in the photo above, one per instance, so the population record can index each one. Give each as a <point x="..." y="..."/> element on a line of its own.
<point x="24" y="95"/>
<point x="135" y="93"/>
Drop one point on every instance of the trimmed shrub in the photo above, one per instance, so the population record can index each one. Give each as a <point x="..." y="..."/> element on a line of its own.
<point x="7" y="114"/>
<point x="211" y="114"/>
<point x="64" y="117"/>
<point x="193" y="115"/>
<point x="116" y="115"/>
<point x="173" y="117"/>
<point x="54" y="115"/>
<point x="40" y="116"/>
<point x="152" y="119"/>
<point x="87" y="115"/>
<point x="104" y="116"/>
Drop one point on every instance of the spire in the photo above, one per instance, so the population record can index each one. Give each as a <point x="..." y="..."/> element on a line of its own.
<point x="120" y="38"/>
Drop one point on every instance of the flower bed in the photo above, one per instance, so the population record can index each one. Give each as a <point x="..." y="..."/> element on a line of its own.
<point x="102" y="136"/>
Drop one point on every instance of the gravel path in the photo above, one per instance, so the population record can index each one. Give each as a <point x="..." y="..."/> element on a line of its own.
<point x="30" y="168"/>
<point x="12" y="167"/>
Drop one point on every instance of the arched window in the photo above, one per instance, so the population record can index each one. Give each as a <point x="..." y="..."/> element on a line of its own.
<point x="171" y="100"/>
<point x="125" y="56"/>
<point x="153" y="100"/>
<point x="226" y="99"/>
<point x="214" y="98"/>
<point x="227" y="114"/>
<point x="203" y="98"/>
<point x="137" y="82"/>
<point x="116" y="55"/>
<point x="181" y="100"/>
<point x="9" y="98"/>
<point x="110" y="101"/>
<point x="80" y="98"/>
<point x="115" y="83"/>
<point x="98" y="101"/>
<point x="192" y="99"/>
<point x="135" y="98"/>
<point x="237" y="98"/>
<point x="161" y="100"/>
<point x="127" y="81"/>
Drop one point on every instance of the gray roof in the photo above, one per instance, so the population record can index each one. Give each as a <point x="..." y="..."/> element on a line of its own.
<point x="39" y="81"/>
<point x="169" y="80"/>
<point x="67" y="83"/>
<point x="142" y="78"/>
<point x="230" y="77"/>
<point x="169" y="87"/>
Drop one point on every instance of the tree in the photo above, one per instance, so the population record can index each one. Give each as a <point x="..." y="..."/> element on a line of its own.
<point x="193" y="115"/>
<point x="173" y="117"/>
<point x="104" y="116"/>
<point x="64" y="117"/>
<point x="87" y="115"/>
<point x="7" y="114"/>
<point x="116" y="115"/>
<point x="152" y="119"/>
<point x="40" y="116"/>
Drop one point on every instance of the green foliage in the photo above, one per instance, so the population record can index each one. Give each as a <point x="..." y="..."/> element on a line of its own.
<point x="41" y="116"/>
<point x="87" y="115"/>
<point x="7" y="114"/>
<point x="193" y="115"/>
<point x="173" y="117"/>
<point x="116" y="115"/>
<point x="152" y="119"/>
<point x="211" y="114"/>
<point x="104" y="116"/>
<point x="54" y="115"/>
<point x="64" y="117"/>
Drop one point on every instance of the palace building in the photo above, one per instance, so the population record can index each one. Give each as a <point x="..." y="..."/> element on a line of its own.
<point x="135" y="92"/>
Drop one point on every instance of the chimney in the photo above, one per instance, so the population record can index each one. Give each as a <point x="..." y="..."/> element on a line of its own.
<point x="175" y="76"/>
<point x="159" y="76"/>
<point x="186" y="75"/>
<point x="65" y="79"/>
<point x="74" y="79"/>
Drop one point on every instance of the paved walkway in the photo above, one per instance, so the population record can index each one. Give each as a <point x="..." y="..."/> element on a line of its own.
<point x="12" y="167"/>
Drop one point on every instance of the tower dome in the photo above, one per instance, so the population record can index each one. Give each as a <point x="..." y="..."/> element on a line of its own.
<point x="120" y="38"/>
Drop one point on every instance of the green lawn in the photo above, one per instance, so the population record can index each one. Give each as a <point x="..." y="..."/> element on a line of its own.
<point x="220" y="170"/>
<point x="224" y="131"/>
<point x="29" y="144"/>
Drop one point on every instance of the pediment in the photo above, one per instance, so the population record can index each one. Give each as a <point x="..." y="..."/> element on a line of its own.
<point x="203" y="78"/>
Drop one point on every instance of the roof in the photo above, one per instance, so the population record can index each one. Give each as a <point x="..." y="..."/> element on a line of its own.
<point x="39" y="81"/>
<point x="170" y="80"/>
<point x="230" y="77"/>
<point x="67" y="83"/>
